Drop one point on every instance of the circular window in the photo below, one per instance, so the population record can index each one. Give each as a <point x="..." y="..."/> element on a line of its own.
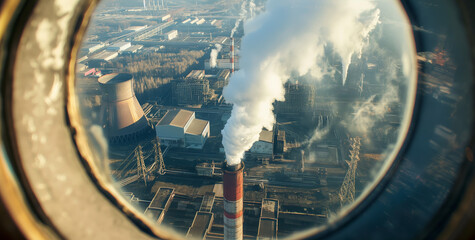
<point x="236" y="119"/>
<point x="314" y="98"/>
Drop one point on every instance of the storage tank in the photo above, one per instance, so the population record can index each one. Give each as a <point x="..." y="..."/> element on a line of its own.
<point x="122" y="116"/>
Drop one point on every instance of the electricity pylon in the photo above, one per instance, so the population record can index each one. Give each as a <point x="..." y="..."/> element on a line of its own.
<point x="159" y="157"/>
<point x="347" y="190"/>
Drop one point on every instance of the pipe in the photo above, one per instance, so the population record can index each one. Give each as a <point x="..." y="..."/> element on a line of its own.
<point x="233" y="201"/>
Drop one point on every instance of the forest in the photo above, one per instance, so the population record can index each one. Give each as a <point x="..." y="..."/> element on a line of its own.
<point x="153" y="71"/>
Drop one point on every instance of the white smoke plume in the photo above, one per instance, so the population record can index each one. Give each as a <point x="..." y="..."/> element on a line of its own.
<point x="252" y="9"/>
<point x="288" y="38"/>
<point x="319" y="132"/>
<point x="214" y="55"/>
<point x="366" y="114"/>
<point x="242" y="15"/>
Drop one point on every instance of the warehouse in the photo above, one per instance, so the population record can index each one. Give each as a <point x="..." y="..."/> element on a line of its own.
<point x="265" y="145"/>
<point x="181" y="128"/>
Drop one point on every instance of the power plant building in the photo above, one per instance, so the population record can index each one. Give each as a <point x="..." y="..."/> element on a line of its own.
<point x="181" y="128"/>
<point x="192" y="90"/>
<point x="122" y="117"/>
<point x="299" y="98"/>
<point x="265" y="145"/>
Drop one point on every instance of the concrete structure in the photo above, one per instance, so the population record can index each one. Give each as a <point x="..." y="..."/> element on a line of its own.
<point x="120" y="46"/>
<point x="205" y="169"/>
<point x="233" y="201"/>
<point x="133" y="49"/>
<point x="181" y="128"/>
<point x="160" y="203"/>
<point x="222" y="79"/>
<point x="223" y="63"/>
<point x="192" y="90"/>
<point x="207" y="202"/>
<point x="299" y="98"/>
<point x="104" y="56"/>
<point x="137" y="28"/>
<point x="279" y="142"/>
<point x="165" y="18"/>
<point x="268" y="222"/>
<point x="122" y="116"/>
<point x="201" y="225"/>
<point x="196" y="74"/>
<point x="265" y="145"/>
<point x="92" y="47"/>
<point x="170" y="35"/>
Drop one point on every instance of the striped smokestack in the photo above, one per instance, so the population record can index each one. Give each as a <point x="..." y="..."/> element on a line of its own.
<point x="232" y="55"/>
<point x="233" y="194"/>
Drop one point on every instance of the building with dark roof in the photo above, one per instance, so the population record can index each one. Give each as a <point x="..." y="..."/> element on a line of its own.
<point x="160" y="203"/>
<point x="181" y="128"/>
<point x="268" y="222"/>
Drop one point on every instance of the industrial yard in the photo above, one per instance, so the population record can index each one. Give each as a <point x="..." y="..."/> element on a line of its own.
<point x="152" y="76"/>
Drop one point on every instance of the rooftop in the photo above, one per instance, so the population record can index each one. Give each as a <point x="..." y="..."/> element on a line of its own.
<point x="266" y="136"/>
<point x="177" y="118"/>
<point x="197" y="127"/>
<point x="270" y="208"/>
<point x="201" y="225"/>
<point x="196" y="74"/>
<point x="119" y="44"/>
<point x="207" y="202"/>
<point x="161" y="198"/>
<point x="114" y="78"/>
<point x="103" y="55"/>
<point x="267" y="228"/>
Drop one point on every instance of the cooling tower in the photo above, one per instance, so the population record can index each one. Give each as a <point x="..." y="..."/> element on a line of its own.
<point x="233" y="203"/>
<point x="122" y="116"/>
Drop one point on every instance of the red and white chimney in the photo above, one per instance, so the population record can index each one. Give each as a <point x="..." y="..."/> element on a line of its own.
<point x="233" y="203"/>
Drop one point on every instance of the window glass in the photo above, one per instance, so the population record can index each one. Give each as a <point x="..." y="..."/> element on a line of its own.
<point x="314" y="97"/>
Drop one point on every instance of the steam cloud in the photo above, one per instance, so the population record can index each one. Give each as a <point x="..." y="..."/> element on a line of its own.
<point x="242" y="15"/>
<point x="214" y="55"/>
<point x="288" y="38"/>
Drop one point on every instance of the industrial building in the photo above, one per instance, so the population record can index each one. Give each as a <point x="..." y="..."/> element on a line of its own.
<point x="104" y="56"/>
<point x="92" y="47"/>
<point x="192" y="90"/>
<point x="120" y="46"/>
<point x="160" y="203"/>
<point x="265" y="146"/>
<point x="220" y="80"/>
<point x="181" y="128"/>
<point x="299" y="98"/>
<point x="170" y="35"/>
<point x="223" y="63"/>
<point x="133" y="49"/>
<point x="268" y="222"/>
<point x="121" y="115"/>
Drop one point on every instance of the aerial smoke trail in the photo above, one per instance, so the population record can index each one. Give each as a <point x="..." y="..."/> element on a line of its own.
<point x="214" y="55"/>
<point x="288" y="38"/>
<point x="242" y="15"/>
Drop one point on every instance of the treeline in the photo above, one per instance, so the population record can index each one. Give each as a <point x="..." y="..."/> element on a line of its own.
<point x="153" y="70"/>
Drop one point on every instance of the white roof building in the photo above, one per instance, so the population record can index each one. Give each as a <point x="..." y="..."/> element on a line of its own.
<point x="181" y="128"/>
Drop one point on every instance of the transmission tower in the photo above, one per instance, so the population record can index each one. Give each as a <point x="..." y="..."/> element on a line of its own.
<point x="140" y="163"/>
<point x="347" y="190"/>
<point x="159" y="157"/>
